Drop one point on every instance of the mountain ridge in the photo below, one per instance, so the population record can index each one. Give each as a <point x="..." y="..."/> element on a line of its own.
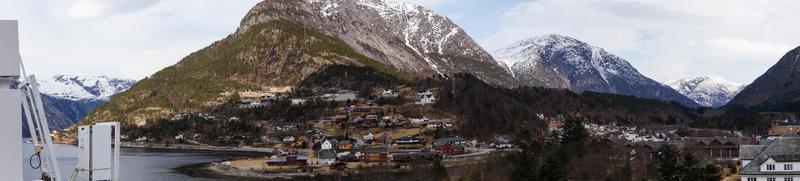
<point x="281" y="42"/>
<point x="557" y="61"/>
<point x="708" y="90"/>
<point x="776" y="88"/>
<point x="70" y="100"/>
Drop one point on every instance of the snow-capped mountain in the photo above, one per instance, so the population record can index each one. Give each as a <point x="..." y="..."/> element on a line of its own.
<point x="69" y="98"/>
<point x="708" y="91"/>
<point x="82" y="88"/>
<point x="557" y="61"/>
<point x="406" y="36"/>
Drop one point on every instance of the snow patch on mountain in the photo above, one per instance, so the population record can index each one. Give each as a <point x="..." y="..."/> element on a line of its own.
<point x="73" y="87"/>
<point x="556" y="61"/>
<point x="709" y="91"/>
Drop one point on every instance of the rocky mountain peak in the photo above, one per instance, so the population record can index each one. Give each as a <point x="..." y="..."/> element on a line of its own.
<point x="76" y="88"/>
<point x="708" y="90"/>
<point x="403" y="35"/>
<point x="558" y="61"/>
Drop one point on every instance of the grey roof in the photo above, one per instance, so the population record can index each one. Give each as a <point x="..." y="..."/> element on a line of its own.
<point x="750" y="152"/>
<point x="327" y="154"/>
<point x="789" y="157"/>
<point x="443" y="141"/>
<point x="784" y="148"/>
<point x="377" y="150"/>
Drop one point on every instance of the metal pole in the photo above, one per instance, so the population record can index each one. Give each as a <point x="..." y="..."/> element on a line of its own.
<point x="31" y="127"/>
<point x="44" y="126"/>
<point x="116" y="150"/>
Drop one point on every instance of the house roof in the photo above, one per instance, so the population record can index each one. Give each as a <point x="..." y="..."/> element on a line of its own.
<point x="376" y="150"/>
<point x="326" y="154"/>
<point x="783" y="149"/>
<point x="443" y="141"/>
<point x="750" y="152"/>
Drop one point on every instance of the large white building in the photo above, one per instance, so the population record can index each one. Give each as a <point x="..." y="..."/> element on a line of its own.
<point x="772" y="160"/>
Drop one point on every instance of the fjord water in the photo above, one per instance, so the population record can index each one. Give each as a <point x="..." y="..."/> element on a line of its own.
<point x="136" y="164"/>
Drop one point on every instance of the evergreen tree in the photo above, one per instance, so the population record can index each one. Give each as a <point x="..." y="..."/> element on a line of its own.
<point x="441" y="170"/>
<point x="525" y="162"/>
<point x="689" y="169"/>
<point x="574" y="132"/>
<point x="668" y="165"/>
<point x="553" y="170"/>
<point x="710" y="173"/>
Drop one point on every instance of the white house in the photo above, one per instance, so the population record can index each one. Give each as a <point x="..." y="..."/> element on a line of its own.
<point x="415" y="120"/>
<point x="369" y="137"/>
<point x="297" y="102"/>
<point x="389" y="93"/>
<point x="288" y="139"/>
<point x="344" y="97"/>
<point x="777" y="160"/>
<point x="327" y="145"/>
<point x="269" y="97"/>
<point x="425" y="98"/>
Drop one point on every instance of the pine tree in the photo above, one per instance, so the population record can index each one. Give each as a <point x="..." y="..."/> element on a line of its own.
<point x="441" y="170"/>
<point x="574" y="132"/>
<point x="525" y="161"/>
<point x="553" y="170"/>
<point x="668" y="167"/>
<point x="689" y="169"/>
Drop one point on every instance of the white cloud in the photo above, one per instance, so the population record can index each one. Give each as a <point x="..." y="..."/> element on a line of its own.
<point x="133" y="41"/>
<point x="737" y="39"/>
<point x="747" y="47"/>
<point x="93" y="9"/>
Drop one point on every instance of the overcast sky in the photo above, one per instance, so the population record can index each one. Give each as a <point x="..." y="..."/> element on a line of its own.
<point x="736" y="39"/>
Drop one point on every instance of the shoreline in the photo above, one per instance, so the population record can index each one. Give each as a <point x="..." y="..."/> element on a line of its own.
<point x="185" y="147"/>
<point x="214" y="169"/>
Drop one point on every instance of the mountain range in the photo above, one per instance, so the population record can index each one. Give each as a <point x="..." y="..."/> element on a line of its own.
<point x="557" y="61"/>
<point x="708" y="91"/>
<point x="282" y="43"/>
<point x="68" y="98"/>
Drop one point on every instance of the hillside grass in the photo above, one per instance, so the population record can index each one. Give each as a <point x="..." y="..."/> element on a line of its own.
<point x="226" y="66"/>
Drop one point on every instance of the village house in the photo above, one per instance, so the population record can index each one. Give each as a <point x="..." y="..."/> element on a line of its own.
<point x="416" y="157"/>
<point x="207" y="116"/>
<point x="326" y="145"/>
<point x="299" y="102"/>
<point x="344" y="97"/>
<point x="345" y="145"/>
<point x="450" y="145"/>
<point x="269" y="97"/>
<point x="389" y="93"/>
<point x="771" y="160"/>
<point x="347" y="157"/>
<point x="407" y="140"/>
<point x="249" y="101"/>
<point x="715" y="148"/>
<point x="376" y="154"/>
<point x="291" y="160"/>
<point x="425" y="98"/>
<point x="369" y="137"/>
<point x="326" y="157"/>
<point x="782" y="127"/>
<point x="418" y="119"/>
<point x="288" y="139"/>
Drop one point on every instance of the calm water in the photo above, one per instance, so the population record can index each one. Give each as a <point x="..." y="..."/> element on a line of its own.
<point x="136" y="164"/>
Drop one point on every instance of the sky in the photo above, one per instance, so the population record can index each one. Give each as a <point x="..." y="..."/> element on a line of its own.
<point x="665" y="40"/>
